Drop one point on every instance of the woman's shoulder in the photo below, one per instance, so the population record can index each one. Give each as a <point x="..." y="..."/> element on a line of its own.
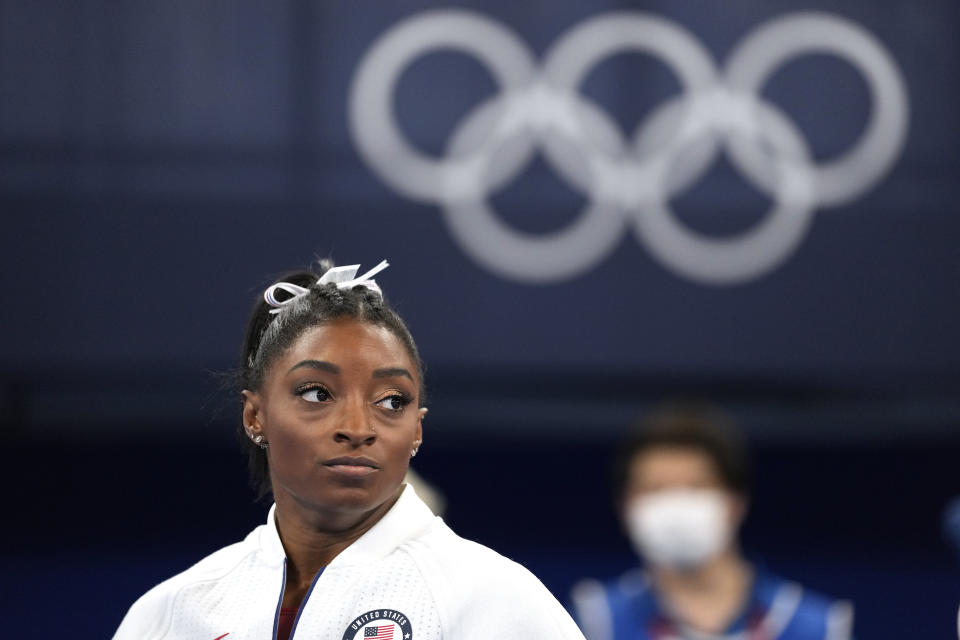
<point x="150" y="614"/>
<point x="451" y="553"/>
<point x="478" y="588"/>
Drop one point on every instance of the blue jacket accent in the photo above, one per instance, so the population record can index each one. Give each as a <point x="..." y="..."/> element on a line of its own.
<point x="628" y="609"/>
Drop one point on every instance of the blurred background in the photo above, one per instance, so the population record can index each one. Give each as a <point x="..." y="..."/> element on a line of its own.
<point x="740" y="204"/>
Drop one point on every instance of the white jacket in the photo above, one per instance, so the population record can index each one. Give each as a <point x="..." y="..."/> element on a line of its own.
<point x="409" y="577"/>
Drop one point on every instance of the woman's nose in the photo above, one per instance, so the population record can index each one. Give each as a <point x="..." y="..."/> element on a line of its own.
<point x="355" y="426"/>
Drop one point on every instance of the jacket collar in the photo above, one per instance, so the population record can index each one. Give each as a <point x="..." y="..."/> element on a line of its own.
<point x="406" y="518"/>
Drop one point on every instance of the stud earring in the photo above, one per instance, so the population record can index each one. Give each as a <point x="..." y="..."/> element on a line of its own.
<point x="257" y="440"/>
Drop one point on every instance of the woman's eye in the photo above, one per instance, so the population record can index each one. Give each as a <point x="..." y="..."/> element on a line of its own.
<point x="314" y="394"/>
<point x="393" y="403"/>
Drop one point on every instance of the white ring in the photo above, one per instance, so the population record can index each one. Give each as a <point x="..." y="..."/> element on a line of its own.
<point x="730" y="260"/>
<point x="371" y="115"/>
<point x="776" y="42"/>
<point x="523" y="256"/>
<point x="579" y="50"/>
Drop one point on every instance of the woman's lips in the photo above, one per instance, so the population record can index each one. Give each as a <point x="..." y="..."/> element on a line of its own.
<point x="352" y="466"/>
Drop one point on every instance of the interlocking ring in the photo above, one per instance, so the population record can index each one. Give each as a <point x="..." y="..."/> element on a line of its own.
<point x="625" y="179"/>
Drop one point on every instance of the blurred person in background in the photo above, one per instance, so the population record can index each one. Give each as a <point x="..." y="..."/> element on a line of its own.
<point x="681" y="483"/>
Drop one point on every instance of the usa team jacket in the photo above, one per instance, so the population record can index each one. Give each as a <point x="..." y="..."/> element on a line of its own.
<point x="408" y="578"/>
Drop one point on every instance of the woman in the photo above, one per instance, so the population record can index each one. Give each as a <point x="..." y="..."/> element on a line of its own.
<point x="333" y="406"/>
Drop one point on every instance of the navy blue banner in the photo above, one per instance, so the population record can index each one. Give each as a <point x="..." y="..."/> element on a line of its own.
<point x="697" y="188"/>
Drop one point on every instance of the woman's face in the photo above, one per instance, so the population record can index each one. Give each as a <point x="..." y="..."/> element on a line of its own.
<point x="340" y="412"/>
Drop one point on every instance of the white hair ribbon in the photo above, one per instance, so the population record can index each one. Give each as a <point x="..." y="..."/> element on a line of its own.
<point x="344" y="277"/>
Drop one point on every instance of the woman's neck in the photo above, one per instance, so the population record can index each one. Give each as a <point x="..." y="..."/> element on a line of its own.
<point x="709" y="597"/>
<point x="313" y="537"/>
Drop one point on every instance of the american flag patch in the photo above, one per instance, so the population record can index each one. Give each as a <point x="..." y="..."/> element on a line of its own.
<point x="379" y="633"/>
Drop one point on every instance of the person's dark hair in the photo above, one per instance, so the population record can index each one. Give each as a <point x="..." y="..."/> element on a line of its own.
<point x="688" y="425"/>
<point x="269" y="335"/>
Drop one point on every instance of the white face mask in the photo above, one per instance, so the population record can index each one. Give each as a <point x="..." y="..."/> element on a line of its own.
<point x="679" y="528"/>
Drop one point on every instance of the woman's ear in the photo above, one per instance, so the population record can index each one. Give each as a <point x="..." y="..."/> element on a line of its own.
<point x="422" y="414"/>
<point x="251" y="413"/>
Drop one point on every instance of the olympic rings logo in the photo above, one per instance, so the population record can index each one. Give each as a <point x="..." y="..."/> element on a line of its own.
<point x="626" y="180"/>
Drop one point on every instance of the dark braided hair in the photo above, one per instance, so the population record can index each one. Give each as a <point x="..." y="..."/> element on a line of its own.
<point x="268" y="336"/>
